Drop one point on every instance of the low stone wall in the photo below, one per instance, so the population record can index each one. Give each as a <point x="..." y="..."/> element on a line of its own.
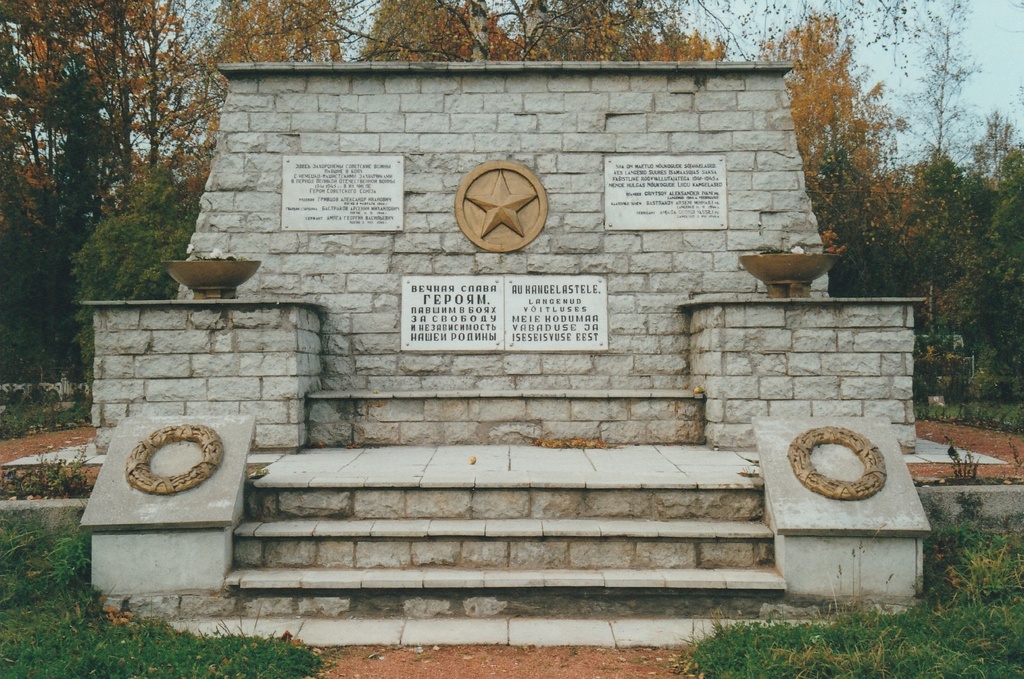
<point x="995" y="508"/>
<point x="451" y="418"/>
<point x="211" y="357"/>
<point x="54" y="514"/>
<point x="760" y="357"/>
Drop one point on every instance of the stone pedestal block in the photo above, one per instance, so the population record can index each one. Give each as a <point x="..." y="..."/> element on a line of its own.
<point x="161" y="562"/>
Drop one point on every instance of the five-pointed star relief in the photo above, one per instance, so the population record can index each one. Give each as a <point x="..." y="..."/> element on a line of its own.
<point x="501" y="206"/>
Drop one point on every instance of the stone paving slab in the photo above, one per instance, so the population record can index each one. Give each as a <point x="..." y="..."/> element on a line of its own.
<point x="650" y="467"/>
<point x="619" y="633"/>
<point x="560" y="633"/>
<point x="453" y="632"/>
<point x="931" y="452"/>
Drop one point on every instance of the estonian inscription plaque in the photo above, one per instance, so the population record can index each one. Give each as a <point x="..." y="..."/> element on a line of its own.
<point x="342" y="193"/>
<point x="556" y="313"/>
<point x="511" y="313"/>
<point x="664" y="192"/>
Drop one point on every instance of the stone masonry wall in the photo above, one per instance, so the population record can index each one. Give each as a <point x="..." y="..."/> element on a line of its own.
<point x="561" y="121"/>
<point x="212" y="357"/>
<point x="801" y="358"/>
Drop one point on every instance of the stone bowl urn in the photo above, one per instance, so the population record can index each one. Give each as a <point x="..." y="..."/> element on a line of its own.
<point x="788" y="274"/>
<point x="212" y="278"/>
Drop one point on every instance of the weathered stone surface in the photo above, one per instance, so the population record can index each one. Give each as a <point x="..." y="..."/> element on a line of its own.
<point x="326" y="503"/>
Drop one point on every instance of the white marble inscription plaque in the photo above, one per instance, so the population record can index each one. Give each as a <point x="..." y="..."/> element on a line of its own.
<point x="664" y="192"/>
<point x="342" y="193"/>
<point x="452" y="313"/>
<point x="556" y="313"/>
<point x="511" y="313"/>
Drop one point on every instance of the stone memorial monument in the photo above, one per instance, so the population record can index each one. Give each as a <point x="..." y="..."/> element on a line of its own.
<point x="490" y="254"/>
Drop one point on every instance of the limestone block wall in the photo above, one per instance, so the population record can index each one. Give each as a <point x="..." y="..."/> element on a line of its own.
<point x="801" y="358"/>
<point x="213" y="357"/>
<point x="560" y="120"/>
<point x="418" y="418"/>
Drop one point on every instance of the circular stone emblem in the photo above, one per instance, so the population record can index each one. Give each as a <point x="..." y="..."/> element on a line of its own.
<point x="501" y="206"/>
<point x="139" y="475"/>
<point x="870" y="482"/>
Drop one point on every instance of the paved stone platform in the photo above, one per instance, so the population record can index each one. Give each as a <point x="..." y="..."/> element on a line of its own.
<point x="499" y="466"/>
<point x="620" y="633"/>
<point x="928" y="452"/>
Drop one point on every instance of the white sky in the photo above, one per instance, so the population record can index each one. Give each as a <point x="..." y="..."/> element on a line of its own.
<point x="995" y="39"/>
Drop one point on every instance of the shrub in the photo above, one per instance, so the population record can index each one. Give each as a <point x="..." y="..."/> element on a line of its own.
<point x="25" y="414"/>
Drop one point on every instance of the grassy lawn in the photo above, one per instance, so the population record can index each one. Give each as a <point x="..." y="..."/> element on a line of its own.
<point x="970" y="624"/>
<point x="52" y="624"/>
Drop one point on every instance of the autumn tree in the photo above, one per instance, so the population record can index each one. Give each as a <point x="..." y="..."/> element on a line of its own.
<point x="288" y="30"/>
<point x="946" y="67"/>
<point x="998" y="141"/>
<point x="93" y="90"/>
<point x="845" y="137"/>
<point x="53" y="179"/>
<point x="329" y="30"/>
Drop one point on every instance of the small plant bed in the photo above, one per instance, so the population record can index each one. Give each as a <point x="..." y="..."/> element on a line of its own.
<point x="53" y="624"/>
<point x="970" y="624"/>
<point x="51" y="479"/>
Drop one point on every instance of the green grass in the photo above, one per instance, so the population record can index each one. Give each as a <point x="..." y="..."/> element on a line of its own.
<point x="52" y="624"/>
<point x="971" y="624"/>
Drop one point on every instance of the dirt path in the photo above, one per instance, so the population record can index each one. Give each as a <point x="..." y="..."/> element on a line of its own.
<point x="1007" y="447"/>
<point x="49" y="442"/>
<point x="479" y="662"/>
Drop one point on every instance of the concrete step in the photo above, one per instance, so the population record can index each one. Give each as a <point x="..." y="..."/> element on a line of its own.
<point x="486" y="593"/>
<point x="499" y="528"/>
<point x="741" y="501"/>
<point x="454" y="578"/>
<point x="446" y="594"/>
<point x="509" y="543"/>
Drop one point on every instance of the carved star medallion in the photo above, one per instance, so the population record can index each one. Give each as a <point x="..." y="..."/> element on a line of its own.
<point x="501" y="206"/>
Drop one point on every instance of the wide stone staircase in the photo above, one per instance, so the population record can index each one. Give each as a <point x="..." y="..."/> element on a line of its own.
<point x="507" y="532"/>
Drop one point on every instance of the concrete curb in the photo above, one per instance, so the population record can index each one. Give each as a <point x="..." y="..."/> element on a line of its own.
<point x="52" y="513"/>
<point x="995" y="508"/>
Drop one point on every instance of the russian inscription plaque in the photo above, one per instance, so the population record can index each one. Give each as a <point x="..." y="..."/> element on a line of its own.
<point x="342" y="193"/>
<point x="511" y="313"/>
<point x="452" y="313"/>
<point x="664" y="192"/>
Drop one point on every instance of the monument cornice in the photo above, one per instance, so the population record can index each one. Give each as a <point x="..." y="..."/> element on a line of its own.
<point x="241" y="70"/>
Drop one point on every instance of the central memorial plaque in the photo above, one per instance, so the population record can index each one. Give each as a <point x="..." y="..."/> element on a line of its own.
<point x="342" y="193"/>
<point x="664" y="192"/>
<point x="511" y="313"/>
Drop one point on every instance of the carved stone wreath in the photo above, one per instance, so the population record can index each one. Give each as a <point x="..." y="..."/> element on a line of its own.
<point x="867" y="485"/>
<point x="139" y="475"/>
